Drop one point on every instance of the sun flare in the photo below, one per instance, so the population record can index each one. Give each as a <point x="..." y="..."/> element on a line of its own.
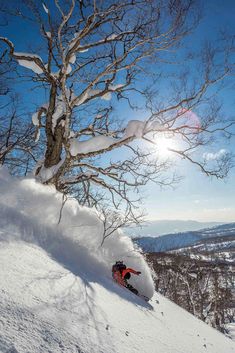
<point x="164" y="145"/>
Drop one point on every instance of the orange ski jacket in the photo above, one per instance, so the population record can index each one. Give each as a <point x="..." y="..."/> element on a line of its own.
<point x="119" y="276"/>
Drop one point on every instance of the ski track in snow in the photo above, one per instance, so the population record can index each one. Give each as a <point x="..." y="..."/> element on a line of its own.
<point x="32" y="334"/>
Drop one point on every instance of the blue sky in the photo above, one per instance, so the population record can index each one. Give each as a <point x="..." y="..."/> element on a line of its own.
<point x="196" y="197"/>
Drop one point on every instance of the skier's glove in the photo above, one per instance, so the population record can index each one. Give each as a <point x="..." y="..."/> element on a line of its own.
<point x="138" y="272"/>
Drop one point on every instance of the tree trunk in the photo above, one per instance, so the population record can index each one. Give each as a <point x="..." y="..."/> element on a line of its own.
<point x="54" y="138"/>
<point x="54" y="147"/>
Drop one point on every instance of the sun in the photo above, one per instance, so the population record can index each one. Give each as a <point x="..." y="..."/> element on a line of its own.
<point x="164" y="146"/>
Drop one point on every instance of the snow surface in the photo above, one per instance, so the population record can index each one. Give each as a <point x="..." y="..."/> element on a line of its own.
<point x="57" y="294"/>
<point x="34" y="210"/>
<point x="47" y="308"/>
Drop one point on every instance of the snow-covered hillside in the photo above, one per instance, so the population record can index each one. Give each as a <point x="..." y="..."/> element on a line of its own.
<point x="168" y="226"/>
<point x="57" y="294"/>
<point x="181" y="240"/>
<point x="47" y="308"/>
<point x="31" y="211"/>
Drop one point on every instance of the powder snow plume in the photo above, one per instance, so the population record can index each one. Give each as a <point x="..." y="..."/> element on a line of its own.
<point x="30" y="212"/>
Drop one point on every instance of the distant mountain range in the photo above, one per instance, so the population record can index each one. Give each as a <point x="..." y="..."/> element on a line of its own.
<point x="219" y="238"/>
<point x="157" y="228"/>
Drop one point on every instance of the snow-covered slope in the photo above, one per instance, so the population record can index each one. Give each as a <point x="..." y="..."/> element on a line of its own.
<point x="47" y="308"/>
<point x="31" y="212"/>
<point x="57" y="294"/>
<point x="180" y="240"/>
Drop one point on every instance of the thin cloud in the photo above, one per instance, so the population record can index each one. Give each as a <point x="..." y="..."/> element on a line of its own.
<point x="211" y="156"/>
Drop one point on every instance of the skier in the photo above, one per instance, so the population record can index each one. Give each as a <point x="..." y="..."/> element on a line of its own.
<point x="121" y="275"/>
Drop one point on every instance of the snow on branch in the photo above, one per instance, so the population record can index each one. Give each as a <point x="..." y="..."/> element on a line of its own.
<point x="45" y="8"/>
<point x="46" y="174"/>
<point x="36" y="120"/>
<point x="138" y="128"/>
<point x="117" y="60"/>
<point x="30" y="61"/>
<point x="60" y="110"/>
<point x="92" y="145"/>
<point x="72" y="59"/>
<point x="30" y="65"/>
<point x="91" y="93"/>
<point x="135" y="129"/>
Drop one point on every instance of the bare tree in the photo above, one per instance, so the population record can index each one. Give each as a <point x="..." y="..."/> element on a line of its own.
<point x="17" y="145"/>
<point x="113" y="219"/>
<point x="203" y="287"/>
<point x="98" y="50"/>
